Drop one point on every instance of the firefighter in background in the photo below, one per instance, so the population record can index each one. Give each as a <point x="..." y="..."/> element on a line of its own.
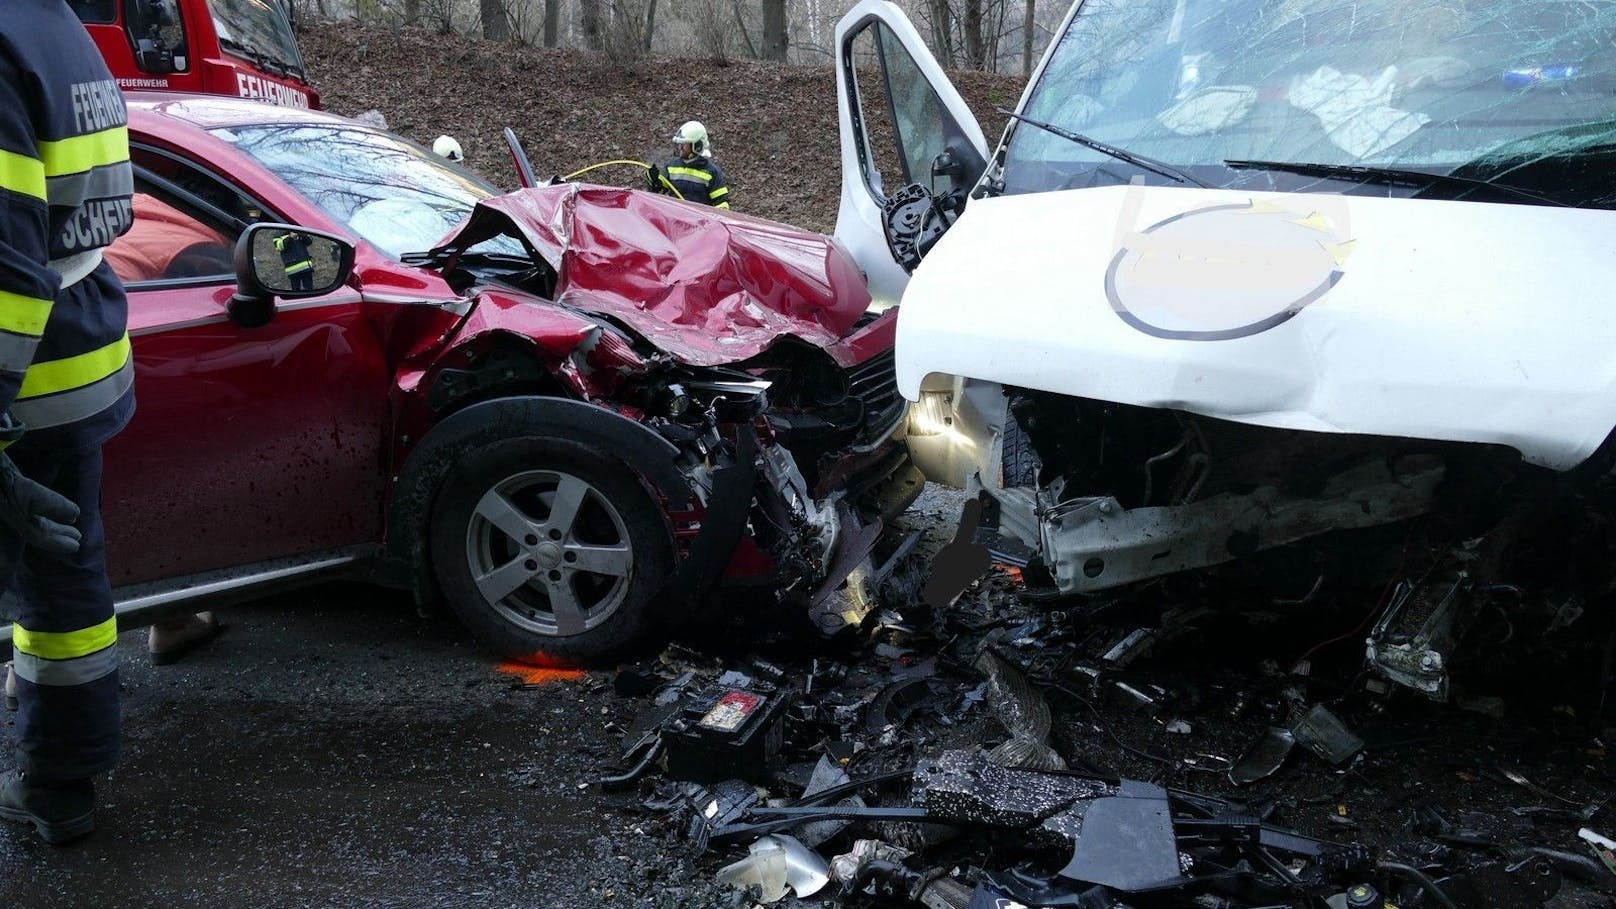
<point x="693" y="171"/>
<point x="66" y="386"/>
<point x="295" y="259"/>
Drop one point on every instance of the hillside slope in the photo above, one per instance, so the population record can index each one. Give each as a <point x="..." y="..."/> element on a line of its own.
<point x="774" y="126"/>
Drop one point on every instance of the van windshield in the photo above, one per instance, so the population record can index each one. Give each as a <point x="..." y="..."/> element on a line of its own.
<point x="259" y="32"/>
<point x="1517" y="92"/>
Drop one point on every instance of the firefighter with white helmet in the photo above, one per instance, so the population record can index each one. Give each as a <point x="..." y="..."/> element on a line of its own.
<point x="693" y="171"/>
<point x="448" y="149"/>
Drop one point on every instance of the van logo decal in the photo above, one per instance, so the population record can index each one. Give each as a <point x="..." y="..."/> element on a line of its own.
<point x="1225" y="270"/>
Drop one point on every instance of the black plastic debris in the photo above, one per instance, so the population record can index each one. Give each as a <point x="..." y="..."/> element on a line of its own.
<point x="1323" y="733"/>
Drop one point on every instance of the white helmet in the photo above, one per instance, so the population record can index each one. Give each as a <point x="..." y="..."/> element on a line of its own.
<point x="447" y="147"/>
<point x="695" y="135"/>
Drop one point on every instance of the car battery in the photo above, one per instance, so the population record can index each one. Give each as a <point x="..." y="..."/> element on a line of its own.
<point x="724" y="732"/>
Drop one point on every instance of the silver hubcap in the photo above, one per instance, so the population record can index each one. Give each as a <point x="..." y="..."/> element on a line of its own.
<point x="549" y="552"/>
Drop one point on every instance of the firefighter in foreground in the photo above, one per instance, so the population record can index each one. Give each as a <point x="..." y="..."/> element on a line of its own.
<point x="66" y="386"/>
<point x="693" y="171"/>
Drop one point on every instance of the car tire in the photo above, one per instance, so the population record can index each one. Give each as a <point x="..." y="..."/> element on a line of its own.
<point x="1017" y="460"/>
<point x="507" y="561"/>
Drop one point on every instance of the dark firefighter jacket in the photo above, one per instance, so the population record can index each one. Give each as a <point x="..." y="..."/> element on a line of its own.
<point x="65" y="187"/>
<point x="698" y="179"/>
<point x="294" y="250"/>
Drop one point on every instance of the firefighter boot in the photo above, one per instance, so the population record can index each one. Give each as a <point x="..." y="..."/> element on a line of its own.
<point x="60" y="811"/>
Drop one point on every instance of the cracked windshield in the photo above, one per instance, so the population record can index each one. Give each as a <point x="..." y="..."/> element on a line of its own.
<point x="382" y="188"/>
<point x="1517" y="95"/>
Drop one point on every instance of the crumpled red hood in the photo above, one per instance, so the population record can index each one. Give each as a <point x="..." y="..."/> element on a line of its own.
<point x="705" y="285"/>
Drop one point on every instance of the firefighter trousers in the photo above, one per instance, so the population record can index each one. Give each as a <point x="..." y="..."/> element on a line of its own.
<point x="64" y="642"/>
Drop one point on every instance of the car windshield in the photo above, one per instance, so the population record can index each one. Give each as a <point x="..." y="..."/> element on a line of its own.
<point x="1519" y="92"/>
<point x="386" y="190"/>
<point x="258" y="31"/>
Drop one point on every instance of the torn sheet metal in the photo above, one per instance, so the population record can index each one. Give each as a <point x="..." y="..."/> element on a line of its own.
<point x="706" y="285"/>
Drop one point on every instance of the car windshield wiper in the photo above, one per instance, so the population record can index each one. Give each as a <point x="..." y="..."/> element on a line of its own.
<point x="1392" y="176"/>
<point x="1137" y="160"/>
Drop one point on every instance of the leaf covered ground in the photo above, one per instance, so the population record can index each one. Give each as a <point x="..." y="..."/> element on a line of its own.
<point x="774" y="126"/>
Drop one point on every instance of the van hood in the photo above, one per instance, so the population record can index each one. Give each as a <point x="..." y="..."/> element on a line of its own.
<point x="705" y="285"/>
<point x="1429" y="319"/>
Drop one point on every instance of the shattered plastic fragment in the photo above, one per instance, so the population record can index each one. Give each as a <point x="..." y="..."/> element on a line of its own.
<point x="778" y="863"/>
<point x="1264" y="757"/>
<point x="1323" y="733"/>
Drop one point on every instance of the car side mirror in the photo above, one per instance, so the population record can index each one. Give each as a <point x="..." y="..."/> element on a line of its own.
<point x="286" y="261"/>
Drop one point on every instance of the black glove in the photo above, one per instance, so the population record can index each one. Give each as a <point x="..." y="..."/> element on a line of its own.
<point x="41" y="517"/>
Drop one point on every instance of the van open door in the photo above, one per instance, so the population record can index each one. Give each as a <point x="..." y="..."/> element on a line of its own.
<point x="911" y="149"/>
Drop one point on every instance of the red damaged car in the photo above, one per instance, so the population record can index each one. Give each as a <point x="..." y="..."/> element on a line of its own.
<point x="576" y="413"/>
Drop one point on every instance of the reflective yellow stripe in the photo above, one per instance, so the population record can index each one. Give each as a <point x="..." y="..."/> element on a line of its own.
<point x="65" y="645"/>
<point x="55" y="376"/>
<point x="690" y="172"/>
<point x="298" y="267"/>
<point x="23" y="315"/>
<point x="81" y="153"/>
<point x="22" y="175"/>
<point x="722" y="205"/>
<point x="719" y="193"/>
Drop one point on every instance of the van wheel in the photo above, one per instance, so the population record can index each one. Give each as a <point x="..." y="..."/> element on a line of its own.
<point x="551" y="552"/>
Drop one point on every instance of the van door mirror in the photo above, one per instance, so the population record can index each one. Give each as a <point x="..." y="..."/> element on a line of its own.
<point x="286" y="261"/>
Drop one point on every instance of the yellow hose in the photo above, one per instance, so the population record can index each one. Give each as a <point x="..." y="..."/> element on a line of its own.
<point x="664" y="180"/>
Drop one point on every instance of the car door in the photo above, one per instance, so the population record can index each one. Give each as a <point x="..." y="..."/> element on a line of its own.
<point x="247" y="445"/>
<point x="902" y="125"/>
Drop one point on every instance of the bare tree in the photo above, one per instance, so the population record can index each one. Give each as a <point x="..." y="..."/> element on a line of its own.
<point x="976" y="51"/>
<point x="942" y="31"/>
<point x="552" y="21"/>
<point x="1029" y="25"/>
<point x="590" y="10"/>
<point x="496" y="25"/>
<point x="746" y="34"/>
<point x="650" y="24"/>
<point x="776" y="40"/>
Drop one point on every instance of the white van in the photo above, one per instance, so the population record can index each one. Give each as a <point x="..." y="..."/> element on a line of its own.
<point x="1241" y="273"/>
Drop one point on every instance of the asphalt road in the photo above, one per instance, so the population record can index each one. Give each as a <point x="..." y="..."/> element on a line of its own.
<point x="335" y="749"/>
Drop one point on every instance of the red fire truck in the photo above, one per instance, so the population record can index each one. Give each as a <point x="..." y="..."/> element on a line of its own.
<point x="219" y="47"/>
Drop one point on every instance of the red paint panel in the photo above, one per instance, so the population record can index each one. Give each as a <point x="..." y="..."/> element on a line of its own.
<point x="706" y="285"/>
<point x="246" y="445"/>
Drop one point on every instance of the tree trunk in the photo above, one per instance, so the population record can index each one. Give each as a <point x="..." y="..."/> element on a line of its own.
<point x="552" y="21"/>
<point x="975" y="48"/>
<point x="412" y="11"/>
<point x="1027" y="26"/>
<point x="740" y="24"/>
<point x="650" y="24"/>
<point x="591" y="23"/>
<point x="942" y="32"/>
<point x="775" y="38"/>
<point x="496" y="27"/>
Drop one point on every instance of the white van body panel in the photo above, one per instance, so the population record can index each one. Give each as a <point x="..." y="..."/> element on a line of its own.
<point x="1434" y="319"/>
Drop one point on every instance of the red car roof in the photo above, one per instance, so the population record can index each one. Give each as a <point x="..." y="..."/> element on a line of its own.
<point x="214" y="111"/>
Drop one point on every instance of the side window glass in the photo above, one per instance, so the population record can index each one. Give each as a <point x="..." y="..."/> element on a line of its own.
<point x="157" y="33"/>
<point x="214" y="195"/>
<point x="171" y="239"/>
<point x="904" y="123"/>
<point x="95" y="12"/>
